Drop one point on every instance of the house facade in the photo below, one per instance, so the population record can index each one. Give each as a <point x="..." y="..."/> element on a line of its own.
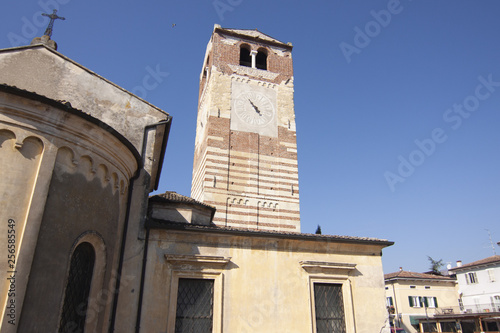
<point x="414" y="299"/>
<point x="478" y="295"/>
<point x="479" y="285"/>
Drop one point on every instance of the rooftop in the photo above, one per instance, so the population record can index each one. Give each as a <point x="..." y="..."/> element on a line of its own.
<point x="487" y="261"/>
<point x="155" y="223"/>
<point x="405" y="275"/>
<point x="253" y="34"/>
<point x="174" y="197"/>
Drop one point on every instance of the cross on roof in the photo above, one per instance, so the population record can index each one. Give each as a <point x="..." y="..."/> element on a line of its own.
<point x="52" y="17"/>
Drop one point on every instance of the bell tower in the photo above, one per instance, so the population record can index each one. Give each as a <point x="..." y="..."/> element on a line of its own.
<point x="245" y="161"/>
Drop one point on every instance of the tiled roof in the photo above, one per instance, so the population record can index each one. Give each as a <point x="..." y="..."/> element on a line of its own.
<point x="254" y="34"/>
<point x="489" y="260"/>
<point x="266" y="233"/>
<point x="174" y="197"/>
<point x="412" y="275"/>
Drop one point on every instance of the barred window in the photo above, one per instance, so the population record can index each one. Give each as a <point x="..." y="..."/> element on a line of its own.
<point x="194" y="306"/>
<point x="329" y="306"/>
<point x="77" y="292"/>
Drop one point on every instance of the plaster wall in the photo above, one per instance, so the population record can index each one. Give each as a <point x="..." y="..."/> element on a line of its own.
<point x="265" y="286"/>
<point x="446" y="293"/>
<point x="65" y="180"/>
<point x="48" y="73"/>
<point x="478" y="295"/>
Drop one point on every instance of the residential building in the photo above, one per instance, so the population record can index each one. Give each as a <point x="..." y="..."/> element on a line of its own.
<point x="414" y="299"/>
<point x="479" y="284"/>
<point x="478" y="294"/>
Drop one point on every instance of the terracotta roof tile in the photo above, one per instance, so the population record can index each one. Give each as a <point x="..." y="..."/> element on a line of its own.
<point x="489" y="260"/>
<point x="270" y="233"/>
<point x="416" y="276"/>
<point x="174" y="197"/>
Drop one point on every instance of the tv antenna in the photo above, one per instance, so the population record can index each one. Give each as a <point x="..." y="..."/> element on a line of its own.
<point x="491" y="242"/>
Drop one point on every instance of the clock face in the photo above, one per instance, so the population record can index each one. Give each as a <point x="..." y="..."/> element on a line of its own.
<point x="254" y="108"/>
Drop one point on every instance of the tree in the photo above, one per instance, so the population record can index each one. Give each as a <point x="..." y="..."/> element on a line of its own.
<point x="318" y="230"/>
<point x="435" y="265"/>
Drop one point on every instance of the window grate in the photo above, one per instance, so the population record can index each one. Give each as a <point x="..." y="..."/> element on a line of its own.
<point x="77" y="289"/>
<point x="194" y="306"/>
<point x="329" y="305"/>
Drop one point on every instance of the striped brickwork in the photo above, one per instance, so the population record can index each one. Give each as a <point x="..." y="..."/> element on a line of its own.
<point x="251" y="179"/>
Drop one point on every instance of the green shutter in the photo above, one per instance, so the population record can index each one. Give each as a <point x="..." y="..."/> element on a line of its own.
<point x="410" y="299"/>
<point x="426" y="303"/>
<point x="435" y="302"/>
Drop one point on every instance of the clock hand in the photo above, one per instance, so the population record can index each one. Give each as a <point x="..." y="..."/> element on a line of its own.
<point x="255" y="108"/>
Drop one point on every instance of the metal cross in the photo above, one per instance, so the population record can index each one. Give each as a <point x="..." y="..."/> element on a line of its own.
<point x="52" y="17"/>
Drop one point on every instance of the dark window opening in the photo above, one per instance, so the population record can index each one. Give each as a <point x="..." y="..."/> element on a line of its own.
<point x="77" y="292"/>
<point x="194" y="306"/>
<point x="245" y="58"/>
<point x="261" y="61"/>
<point x="205" y="70"/>
<point x="448" y="326"/>
<point x="329" y="306"/>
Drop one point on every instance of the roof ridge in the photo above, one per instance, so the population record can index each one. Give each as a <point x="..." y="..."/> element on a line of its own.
<point x="214" y="227"/>
<point x="173" y="196"/>
<point x="484" y="261"/>
<point x="253" y="33"/>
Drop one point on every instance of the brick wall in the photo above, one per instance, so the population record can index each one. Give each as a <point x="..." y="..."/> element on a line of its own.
<point x="251" y="179"/>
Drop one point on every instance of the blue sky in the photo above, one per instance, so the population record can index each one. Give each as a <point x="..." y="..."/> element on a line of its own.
<point x="397" y="104"/>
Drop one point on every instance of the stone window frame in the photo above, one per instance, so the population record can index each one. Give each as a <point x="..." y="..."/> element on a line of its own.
<point x="331" y="273"/>
<point x="97" y="283"/>
<point x="196" y="267"/>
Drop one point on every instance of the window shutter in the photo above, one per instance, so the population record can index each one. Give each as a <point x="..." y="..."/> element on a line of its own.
<point x="424" y="299"/>
<point x="435" y="302"/>
<point x="491" y="275"/>
<point x="410" y="299"/>
<point x="467" y="278"/>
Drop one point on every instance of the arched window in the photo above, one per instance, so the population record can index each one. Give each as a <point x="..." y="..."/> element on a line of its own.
<point x="261" y="60"/>
<point x="245" y="58"/>
<point x="78" y="289"/>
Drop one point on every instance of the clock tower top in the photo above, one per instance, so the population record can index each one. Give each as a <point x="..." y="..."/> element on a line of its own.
<point x="245" y="52"/>
<point x="245" y="161"/>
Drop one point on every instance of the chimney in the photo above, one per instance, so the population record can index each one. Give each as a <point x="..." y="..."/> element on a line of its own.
<point x="400" y="269"/>
<point x="459" y="263"/>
